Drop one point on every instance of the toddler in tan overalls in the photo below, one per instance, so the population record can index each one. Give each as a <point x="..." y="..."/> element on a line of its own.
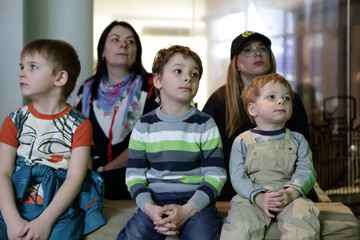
<point x="271" y="169"/>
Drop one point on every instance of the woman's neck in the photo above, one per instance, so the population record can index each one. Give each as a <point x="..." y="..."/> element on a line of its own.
<point x="116" y="74"/>
<point x="246" y="79"/>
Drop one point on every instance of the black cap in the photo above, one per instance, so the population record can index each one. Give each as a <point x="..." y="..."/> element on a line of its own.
<point x="244" y="37"/>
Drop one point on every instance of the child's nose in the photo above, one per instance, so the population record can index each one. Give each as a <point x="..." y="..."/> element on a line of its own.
<point x="21" y="73"/>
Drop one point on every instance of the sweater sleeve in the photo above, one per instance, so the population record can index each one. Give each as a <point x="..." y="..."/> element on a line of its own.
<point x="213" y="167"/>
<point x="239" y="179"/>
<point x="304" y="176"/>
<point x="137" y="166"/>
<point x="215" y="107"/>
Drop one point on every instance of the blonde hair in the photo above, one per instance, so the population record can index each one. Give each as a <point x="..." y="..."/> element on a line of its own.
<point x="235" y="111"/>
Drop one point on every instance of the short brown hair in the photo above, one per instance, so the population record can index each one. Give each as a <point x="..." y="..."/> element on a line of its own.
<point x="252" y="91"/>
<point x="61" y="56"/>
<point x="163" y="56"/>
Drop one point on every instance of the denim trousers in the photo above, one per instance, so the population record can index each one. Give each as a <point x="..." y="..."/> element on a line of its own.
<point x="205" y="225"/>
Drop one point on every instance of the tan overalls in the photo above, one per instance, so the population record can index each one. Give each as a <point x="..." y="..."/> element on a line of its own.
<point x="270" y="164"/>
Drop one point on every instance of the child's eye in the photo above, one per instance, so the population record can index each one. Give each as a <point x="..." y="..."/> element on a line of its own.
<point x="178" y="71"/>
<point x="271" y="97"/>
<point x="286" y="98"/>
<point x="33" y="67"/>
<point x="195" y="74"/>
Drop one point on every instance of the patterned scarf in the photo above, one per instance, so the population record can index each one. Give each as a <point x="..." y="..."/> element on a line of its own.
<point x="110" y="94"/>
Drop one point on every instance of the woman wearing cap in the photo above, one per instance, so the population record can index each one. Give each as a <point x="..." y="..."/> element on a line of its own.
<point x="250" y="56"/>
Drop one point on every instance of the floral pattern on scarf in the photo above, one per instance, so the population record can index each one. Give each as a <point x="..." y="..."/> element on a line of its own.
<point x="110" y="96"/>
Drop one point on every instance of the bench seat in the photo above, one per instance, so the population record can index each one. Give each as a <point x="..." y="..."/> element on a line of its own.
<point x="337" y="221"/>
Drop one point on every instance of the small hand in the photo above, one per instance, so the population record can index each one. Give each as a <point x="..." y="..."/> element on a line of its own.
<point x="153" y="211"/>
<point x="276" y="201"/>
<point x="262" y="200"/>
<point x="156" y="214"/>
<point x="177" y="217"/>
<point x="14" y="229"/>
<point x="283" y="197"/>
<point x="36" y="229"/>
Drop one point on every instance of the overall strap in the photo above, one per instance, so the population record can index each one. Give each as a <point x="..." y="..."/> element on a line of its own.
<point x="287" y="134"/>
<point x="289" y="141"/>
<point x="248" y="138"/>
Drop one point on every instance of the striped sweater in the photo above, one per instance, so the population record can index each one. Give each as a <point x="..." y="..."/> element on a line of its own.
<point x="175" y="154"/>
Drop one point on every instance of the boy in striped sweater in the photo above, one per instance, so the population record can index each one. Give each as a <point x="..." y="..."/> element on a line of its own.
<point x="175" y="168"/>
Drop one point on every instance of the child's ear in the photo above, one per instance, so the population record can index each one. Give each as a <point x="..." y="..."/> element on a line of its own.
<point x="157" y="81"/>
<point x="62" y="79"/>
<point x="252" y="109"/>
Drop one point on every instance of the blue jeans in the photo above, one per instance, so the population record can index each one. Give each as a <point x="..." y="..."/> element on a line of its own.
<point x="205" y="225"/>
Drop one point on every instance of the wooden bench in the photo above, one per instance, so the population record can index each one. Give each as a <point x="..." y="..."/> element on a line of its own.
<point x="337" y="221"/>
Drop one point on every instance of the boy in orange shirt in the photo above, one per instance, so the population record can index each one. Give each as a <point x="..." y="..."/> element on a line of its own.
<point x="45" y="144"/>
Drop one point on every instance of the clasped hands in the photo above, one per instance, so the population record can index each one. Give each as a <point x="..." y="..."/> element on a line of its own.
<point x="24" y="230"/>
<point x="169" y="219"/>
<point x="275" y="201"/>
